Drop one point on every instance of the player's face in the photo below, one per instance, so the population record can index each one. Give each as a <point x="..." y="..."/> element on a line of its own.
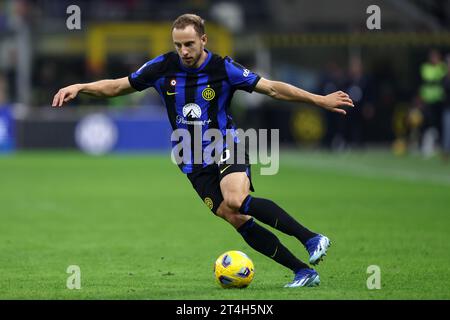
<point x="189" y="45"/>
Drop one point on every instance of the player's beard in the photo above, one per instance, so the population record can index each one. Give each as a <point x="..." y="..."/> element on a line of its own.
<point x="191" y="63"/>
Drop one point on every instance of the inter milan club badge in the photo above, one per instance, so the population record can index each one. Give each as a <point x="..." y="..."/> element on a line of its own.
<point x="208" y="93"/>
<point x="173" y="82"/>
<point x="209" y="202"/>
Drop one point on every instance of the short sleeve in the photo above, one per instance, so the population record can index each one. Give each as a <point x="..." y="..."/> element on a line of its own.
<point x="146" y="76"/>
<point x="240" y="77"/>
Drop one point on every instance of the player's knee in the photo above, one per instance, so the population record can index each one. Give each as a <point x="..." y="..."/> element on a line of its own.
<point x="233" y="217"/>
<point x="222" y="210"/>
<point x="234" y="201"/>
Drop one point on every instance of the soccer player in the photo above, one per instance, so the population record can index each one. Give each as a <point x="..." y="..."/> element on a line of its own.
<point x="196" y="86"/>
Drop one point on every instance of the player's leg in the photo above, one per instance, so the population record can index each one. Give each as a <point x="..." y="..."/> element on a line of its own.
<point x="235" y="186"/>
<point x="270" y="213"/>
<point x="207" y="184"/>
<point x="265" y="210"/>
<point x="236" y="195"/>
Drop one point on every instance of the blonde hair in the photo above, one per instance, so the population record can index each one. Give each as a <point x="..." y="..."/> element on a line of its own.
<point x="189" y="19"/>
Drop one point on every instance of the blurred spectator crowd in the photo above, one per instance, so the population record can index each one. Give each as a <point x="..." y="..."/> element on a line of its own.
<point x="419" y="118"/>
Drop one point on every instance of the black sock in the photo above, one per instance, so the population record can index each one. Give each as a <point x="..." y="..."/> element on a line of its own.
<point x="265" y="242"/>
<point x="271" y="214"/>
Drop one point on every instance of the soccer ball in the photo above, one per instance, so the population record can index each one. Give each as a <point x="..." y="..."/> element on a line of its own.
<point x="234" y="269"/>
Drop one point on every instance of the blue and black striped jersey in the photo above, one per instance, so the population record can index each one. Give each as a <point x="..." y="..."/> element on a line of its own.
<point x="195" y="97"/>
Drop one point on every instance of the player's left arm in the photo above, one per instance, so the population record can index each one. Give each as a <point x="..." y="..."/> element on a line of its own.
<point x="284" y="91"/>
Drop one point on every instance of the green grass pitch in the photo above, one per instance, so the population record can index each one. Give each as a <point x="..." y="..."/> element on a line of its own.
<point x="137" y="230"/>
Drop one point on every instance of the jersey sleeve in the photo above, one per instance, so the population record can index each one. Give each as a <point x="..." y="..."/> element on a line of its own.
<point x="240" y="77"/>
<point x="146" y="76"/>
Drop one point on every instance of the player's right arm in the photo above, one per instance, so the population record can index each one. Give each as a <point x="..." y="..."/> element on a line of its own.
<point x="102" y="88"/>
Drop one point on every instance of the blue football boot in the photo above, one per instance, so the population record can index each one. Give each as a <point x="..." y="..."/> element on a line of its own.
<point x="317" y="248"/>
<point x="304" y="278"/>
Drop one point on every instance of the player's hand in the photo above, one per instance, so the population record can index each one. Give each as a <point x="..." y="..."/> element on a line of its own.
<point x="335" y="101"/>
<point x="65" y="94"/>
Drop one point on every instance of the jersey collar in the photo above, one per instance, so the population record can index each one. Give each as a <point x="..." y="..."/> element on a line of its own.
<point x="202" y="66"/>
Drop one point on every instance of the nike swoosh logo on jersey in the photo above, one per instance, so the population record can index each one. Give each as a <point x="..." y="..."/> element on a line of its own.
<point x="171" y="93"/>
<point x="222" y="171"/>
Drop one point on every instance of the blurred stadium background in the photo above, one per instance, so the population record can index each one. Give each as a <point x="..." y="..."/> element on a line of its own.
<point x="392" y="146"/>
<point x="318" y="45"/>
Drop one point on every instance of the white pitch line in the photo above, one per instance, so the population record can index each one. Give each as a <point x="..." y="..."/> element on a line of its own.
<point x="359" y="169"/>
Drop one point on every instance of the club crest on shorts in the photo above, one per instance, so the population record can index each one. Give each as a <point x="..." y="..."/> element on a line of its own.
<point x="209" y="203"/>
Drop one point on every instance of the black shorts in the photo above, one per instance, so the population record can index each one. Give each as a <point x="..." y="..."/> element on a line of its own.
<point x="206" y="182"/>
